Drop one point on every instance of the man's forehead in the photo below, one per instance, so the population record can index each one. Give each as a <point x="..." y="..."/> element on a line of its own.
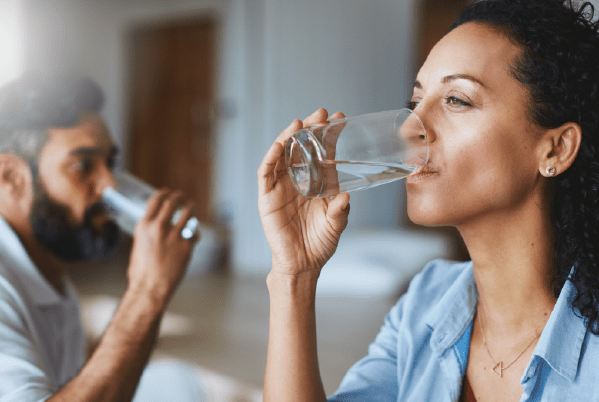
<point x="89" y="135"/>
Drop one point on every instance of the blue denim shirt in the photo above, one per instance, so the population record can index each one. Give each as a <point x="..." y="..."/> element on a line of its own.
<point x="421" y="352"/>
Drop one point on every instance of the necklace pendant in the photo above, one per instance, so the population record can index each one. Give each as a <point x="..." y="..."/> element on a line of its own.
<point x="498" y="366"/>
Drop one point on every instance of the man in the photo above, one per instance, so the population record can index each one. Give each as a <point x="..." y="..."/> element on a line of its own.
<point x="56" y="158"/>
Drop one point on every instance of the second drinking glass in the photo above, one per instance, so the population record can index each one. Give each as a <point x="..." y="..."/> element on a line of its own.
<point x="127" y="204"/>
<point x="356" y="153"/>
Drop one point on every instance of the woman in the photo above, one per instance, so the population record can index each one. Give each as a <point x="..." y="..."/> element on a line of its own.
<point x="510" y="101"/>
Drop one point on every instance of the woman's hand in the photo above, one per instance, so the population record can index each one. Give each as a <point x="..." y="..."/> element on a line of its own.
<point x="303" y="234"/>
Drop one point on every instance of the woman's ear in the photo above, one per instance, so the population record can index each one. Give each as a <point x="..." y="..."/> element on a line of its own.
<point x="560" y="149"/>
<point x="14" y="175"/>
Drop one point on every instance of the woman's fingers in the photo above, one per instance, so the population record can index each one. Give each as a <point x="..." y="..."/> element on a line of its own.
<point x="266" y="172"/>
<point x="318" y="117"/>
<point x="294" y="127"/>
<point x="338" y="212"/>
<point x="336" y="116"/>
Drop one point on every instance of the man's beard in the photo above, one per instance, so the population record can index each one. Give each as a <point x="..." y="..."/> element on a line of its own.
<point x="84" y="242"/>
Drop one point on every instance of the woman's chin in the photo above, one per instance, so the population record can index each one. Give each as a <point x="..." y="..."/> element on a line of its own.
<point x="423" y="217"/>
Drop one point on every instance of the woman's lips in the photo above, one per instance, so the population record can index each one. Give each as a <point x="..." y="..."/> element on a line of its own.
<point x="420" y="174"/>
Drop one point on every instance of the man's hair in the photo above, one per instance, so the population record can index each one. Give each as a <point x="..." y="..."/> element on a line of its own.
<point x="559" y="65"/>
<point x="29" y="106"/>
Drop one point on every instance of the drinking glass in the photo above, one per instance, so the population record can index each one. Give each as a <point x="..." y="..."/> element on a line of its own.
<point x="356" y="153"/>
<point x="127" y="205"/>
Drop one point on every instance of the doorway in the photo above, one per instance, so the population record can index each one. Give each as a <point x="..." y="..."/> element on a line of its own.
<point x="435" y="16"/>
<point x="170" y="108"/>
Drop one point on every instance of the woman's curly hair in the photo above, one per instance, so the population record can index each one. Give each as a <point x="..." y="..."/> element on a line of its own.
<point x="559" y="65"/>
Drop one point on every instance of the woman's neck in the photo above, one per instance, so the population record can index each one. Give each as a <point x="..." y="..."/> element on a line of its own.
<point x="512" y="255"/>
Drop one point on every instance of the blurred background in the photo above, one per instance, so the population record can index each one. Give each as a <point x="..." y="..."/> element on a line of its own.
<point x="197" y="90"/>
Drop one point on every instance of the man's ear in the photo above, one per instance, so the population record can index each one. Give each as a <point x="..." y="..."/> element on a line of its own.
<point x="15" y="174"/>
<point x="560" y="149"/>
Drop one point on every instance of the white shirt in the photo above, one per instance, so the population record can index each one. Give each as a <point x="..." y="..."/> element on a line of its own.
<point x="42" y="342"/>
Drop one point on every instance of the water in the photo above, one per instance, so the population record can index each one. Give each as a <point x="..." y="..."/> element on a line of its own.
<point x="127" y="211"/>
<point x="329" y="178"/>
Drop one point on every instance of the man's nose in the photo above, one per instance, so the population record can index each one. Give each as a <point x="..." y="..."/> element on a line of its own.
<point x="104" y="179"/>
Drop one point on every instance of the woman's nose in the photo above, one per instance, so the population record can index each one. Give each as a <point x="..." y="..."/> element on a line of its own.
<point x="426" y="113"/>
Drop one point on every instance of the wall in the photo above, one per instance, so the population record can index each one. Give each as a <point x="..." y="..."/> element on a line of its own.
<point x="353" y="56"/>
<point x="90" y="37"/>
<point x="11" y="40"/>
<point x="278" y="60"/>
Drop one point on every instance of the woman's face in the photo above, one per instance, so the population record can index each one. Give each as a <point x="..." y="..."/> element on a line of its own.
<point x="484" y="151"/>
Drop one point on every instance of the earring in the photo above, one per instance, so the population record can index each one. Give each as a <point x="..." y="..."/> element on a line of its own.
<point x="550" y="171"/>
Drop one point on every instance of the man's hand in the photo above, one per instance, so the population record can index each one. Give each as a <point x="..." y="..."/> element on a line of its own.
<point x="160" y="255"/>
<point x="158" y="262"/>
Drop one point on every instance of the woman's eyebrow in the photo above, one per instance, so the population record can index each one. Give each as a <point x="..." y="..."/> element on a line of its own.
<point x="454" y="77"/>
<point x="447" y="79"/>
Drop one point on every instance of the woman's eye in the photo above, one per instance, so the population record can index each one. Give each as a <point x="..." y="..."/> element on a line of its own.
<point x="454" y="101"/>
<point x="411" y="104"/>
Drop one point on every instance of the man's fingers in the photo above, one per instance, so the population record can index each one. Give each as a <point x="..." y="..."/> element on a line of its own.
<point x="155" y="202"/>
<point x="186" y="213"/>
<point x="168" y="207"/>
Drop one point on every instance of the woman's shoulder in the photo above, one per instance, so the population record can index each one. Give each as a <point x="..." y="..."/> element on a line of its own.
<point x="435" y="281"/>
<point x="438" y="276"/>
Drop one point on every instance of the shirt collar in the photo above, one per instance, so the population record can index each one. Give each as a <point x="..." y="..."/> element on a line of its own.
<point x="454" y="311"/>
<point x="17" y="260"/>
<point x="560" y="344"/>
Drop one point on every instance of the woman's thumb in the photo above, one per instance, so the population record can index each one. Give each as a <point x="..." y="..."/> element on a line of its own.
<point x="338" y="212"/>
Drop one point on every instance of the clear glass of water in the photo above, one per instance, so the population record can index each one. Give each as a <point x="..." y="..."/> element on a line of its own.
<point x="127" y="202"/>
<point x="356" y="153"/>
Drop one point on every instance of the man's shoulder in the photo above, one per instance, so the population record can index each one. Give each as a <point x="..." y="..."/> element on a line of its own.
<point x="14" y="310"/>
<point x="10" y="286"/>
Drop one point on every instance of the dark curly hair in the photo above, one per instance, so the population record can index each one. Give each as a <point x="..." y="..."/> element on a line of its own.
<point x="559" y="65"/>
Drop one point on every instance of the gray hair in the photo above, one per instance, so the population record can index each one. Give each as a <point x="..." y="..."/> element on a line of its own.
<point x="34" y="103"/>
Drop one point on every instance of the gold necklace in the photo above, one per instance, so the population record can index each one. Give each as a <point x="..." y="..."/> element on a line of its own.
<point x="499" y="365"/>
